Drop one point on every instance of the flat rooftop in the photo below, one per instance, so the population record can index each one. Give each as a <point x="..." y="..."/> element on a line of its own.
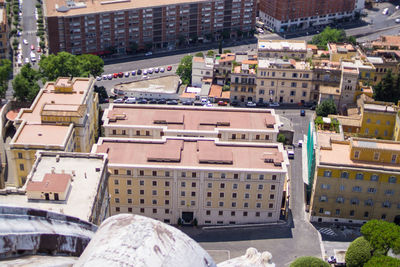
<point x="339" y="155"/>
<point x="61" y="8"/>
<point x="190" y="118"/>
<point x="192" y="153"/>
<point x="166" y="84"/>
<point x="41" y="134"/>
<point x="380" y="108"/>
<point x="84" y="186"/>
<point x="376" y="144"/>
<point x="278" y="63"/>
<point x="341" y="48"/>
<point x="278" y="45"/>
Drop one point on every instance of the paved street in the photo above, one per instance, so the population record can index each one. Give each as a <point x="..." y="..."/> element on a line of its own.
<point x="286" y="242"/>
<point x="29" y="29"/>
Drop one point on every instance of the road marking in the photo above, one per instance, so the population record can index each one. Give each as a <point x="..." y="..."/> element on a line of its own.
<point x="327" y="231"/>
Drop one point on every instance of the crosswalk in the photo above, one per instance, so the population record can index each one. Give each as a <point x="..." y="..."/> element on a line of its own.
<point x="327" y="231"/>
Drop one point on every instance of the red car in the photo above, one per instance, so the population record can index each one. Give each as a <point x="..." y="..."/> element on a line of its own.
<point x="121" y="74"/>
<point x="222" y="103"/>
<point x="115" y="75"/>
<point x="38" y="49"/>
<point x="32" y="47"/>
<point x="169" y="68"/>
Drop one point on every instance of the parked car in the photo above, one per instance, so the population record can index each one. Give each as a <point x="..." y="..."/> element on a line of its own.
<point x="300" y="143"/>
<point x="133" y="73"/>
<point x="198" y="103"/>
<point x="187" y="102"/>
<point x="127" y="74"/>
<point x="115" y="75"/>
<point x="145" y="72"/>
<point x="234" y="103"/>
<point x="313" y="107"/>
<point x="156" y="70"/>
<point x="162" y="101"/>
<point x="261" y="104"/>
<point x="150" y="71"/>
<point x="110" y="76"/>
<point x="274" y="104"/>
<point x="162" y="69"/>
<point x="142" y="101"/>
<point x="25" y="41"/>
<point x="32" y="47"/>
<point x="148" y="54"/>
<point x="169" y="68"/>
<point x="385" y="11"/>
<point x="290" y="151"/>
<point x="119" y="100"/>
<point x="222" y="103"/>
<point x="38" y="49"/>
<point x="172" y="102"/>
<point x="302" y="112"/>
<point x="104" y="77"/>
<point x="130" y="100"/>
<point x="98" y="78"/>
<point x="103" y="100"/>
<point x="250" y="104"/>
<point x="152" y="101"/>
<point x="139" y="72"/>
<point x="26" y="60"/>
<point x="397" y="20"/>
<point x="120" y="74"/>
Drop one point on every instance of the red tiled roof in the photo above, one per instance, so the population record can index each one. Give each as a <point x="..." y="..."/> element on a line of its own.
<point x="52" y="182"/>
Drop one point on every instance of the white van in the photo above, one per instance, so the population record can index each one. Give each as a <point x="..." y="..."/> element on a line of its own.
<point x="130" y="100"/>
<point x="33" y="57"/>
<point x="385" y="11"/>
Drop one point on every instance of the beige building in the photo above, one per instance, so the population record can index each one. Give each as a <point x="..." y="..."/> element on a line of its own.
<point x="356" y="180"/>
<point x="284" y="81"/>
<point x="296" y="49"/>
<point x="4" y="31"/>
<point x="243" y="82"/>
<point x="202" y="69"/>
<point x="339" y="51"/>
<point x="225" y="124"/>
<point x="206" y="180"/>
<point x="73" y="184"/>
<point x="63" y="117"/>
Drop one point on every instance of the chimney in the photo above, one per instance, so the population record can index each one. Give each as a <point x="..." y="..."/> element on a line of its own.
<point x="58" y="158"/>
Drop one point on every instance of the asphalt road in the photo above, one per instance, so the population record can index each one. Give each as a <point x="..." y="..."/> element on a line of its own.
<point x="285" y="242"/>
<point x="29" y="29"/>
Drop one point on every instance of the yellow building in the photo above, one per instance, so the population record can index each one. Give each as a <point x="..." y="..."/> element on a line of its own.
<point x="63" y="117"/>
<point x="284" y="81"/>
<point x="224" y="123"/>
<point x="356" y="180"/>
<point x="189" y="178"/>
<point x="243" y="82"/>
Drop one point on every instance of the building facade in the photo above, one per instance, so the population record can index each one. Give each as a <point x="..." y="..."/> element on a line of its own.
<point x="4" y="31"/>
<point x="284" y="15"/>
<point x="225" y="124"/>
<point x="243" y="84"/>
<point x="101" y="27"/>
<point x="63" y="117"/>
<point x="284" y="81"/>
<point x="356" y="181"/>
<point x="186" y="179"/>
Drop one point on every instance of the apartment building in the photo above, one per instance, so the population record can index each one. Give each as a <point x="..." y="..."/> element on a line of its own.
<point x="285" y="15"/>
<point x="98" y="27"/>
<point x="384" y="61"/>
<point x="206" y="180"/>
<point x="296" y="49"/>
<point x="225" y="124"/>
<point x="356" y="180"/>
<point x="202" y="69"/>
<point x="4" y="31"/>
<point x="243" y="84"/>
<point x="73" y="184"/>
<point x="386" y="42"/>
<point x="284" y="81"/>
<point x="63" y="117"/>
<point x="223" y="67"/>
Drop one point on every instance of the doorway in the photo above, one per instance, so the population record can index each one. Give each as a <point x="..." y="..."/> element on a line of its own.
<point x="56" y="196"/>
<point x="187" y="216"/>
<point x="46" y="195"/>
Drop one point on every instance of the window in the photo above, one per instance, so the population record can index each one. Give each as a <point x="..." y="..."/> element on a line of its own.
<point x="154" y="210"/>
<point x="374" y="178"/>
<point x="323" y="198"/>
<point x="389" y="192"/>
<point x="209" y="194"/>
<point x="236" y="176"/>
<point x="394" y="158"/>
<point x="369" y="202"/>
<point x="259" y="196"/>
<point x="115" y="171"/>
<point x="352" y="213"/>
<point x="233" y="213"/>
<point x="209" y="185"/>
<point x="220" y="213"/>
<point x="221" y="195"/>
<point x="182" y="202"/>
<point x="221" y="204"/>
<point x="166" y="174"/>
<point x="183" y="193"/>
<point x="356" y="189"/>
<point x="193" y="175"/>
<point x="359" y="176"/>
<point x="246" y="195"/>
<point x="261" y="177"/>
<point x="248" y="177"/>
<point x="234" y="195"/>
<point x="141" y="210"/>
<point x="208" y="204"/>
<point x="147" y="133"/>
<point x="129" y="209"/>
<point x="222" y="185"/>
<point x="271" y="196"/>
<point x="129" y="191"/>
<point x="183" y="184"/>
<point x="234" y="186"/>
<point x="208" y="212"/>
<point x="116" y="191"/>
<point x="293" y="84"/>
<point x="154" y="202"/>
<point x="325" y="186"/>
<point x="154" y="173"/>
<point x="166" y="211"/>
<point x="245" y="205"/>
<point x="192" y="203"/>
<point x="166" y="202"/>
<point x="371" y="190"/>
<point x="386" y="204"/>
<point x="154" y="183"/>
<point x="19" y="155"/>
<point x="223" y="175"/>
<point x="257" y="214"/>
<point x="116" y="200"/>
<point x="116" y="182"/>
<point x="340" y="200"/>
<point x="166" y="183"/>
<point x="183" y="174"/>
<point x="141" y="201"/>
<point x="117" y="209"/>
<point x="154" y="192"/>
<point x="327" y="173"/>
<point x="376" y="155"/>
<point x="245" y="213"/>
<point x="273" y="177"/>
<point x="260" y="187"/>
<point x="342" y="187"/>
<point x="344" y="175"/>
<point x="258" y="205"/>
<point x="129" y="200"/>
<point x="354" y="201"/>
<point x="356" y="154"/>
<point x="141" y="173"/>
<point x="128" y="182"/>
<point x="392" y="180"/>
<point x="210" y="175"/>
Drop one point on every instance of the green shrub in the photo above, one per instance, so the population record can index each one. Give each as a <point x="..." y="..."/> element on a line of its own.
<point x="308" y="261"/>
<point x="358" y="253"/>
<point x="382" y="261"/>
<point x="281" y="138"/>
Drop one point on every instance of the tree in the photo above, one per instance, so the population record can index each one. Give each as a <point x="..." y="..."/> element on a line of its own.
<point x="325" y="108"/>
<point x="308" y="261"/>
<point x="388" y="88"/>
<point x="25" y="84"/>
<point x="382" y="236"/>
<point x="382" y="261"/>
<point x="358" y="253"/>
<point x="226" y="51"/>
<point x="329" y="35"/>
<point x="199" y="54"/>
<point x="210" y="53"/>
<point x="91" y="64"/>
<point x="5" y="72"/>
<point x="281" y="138"/>
<point x="185" y="69"/>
